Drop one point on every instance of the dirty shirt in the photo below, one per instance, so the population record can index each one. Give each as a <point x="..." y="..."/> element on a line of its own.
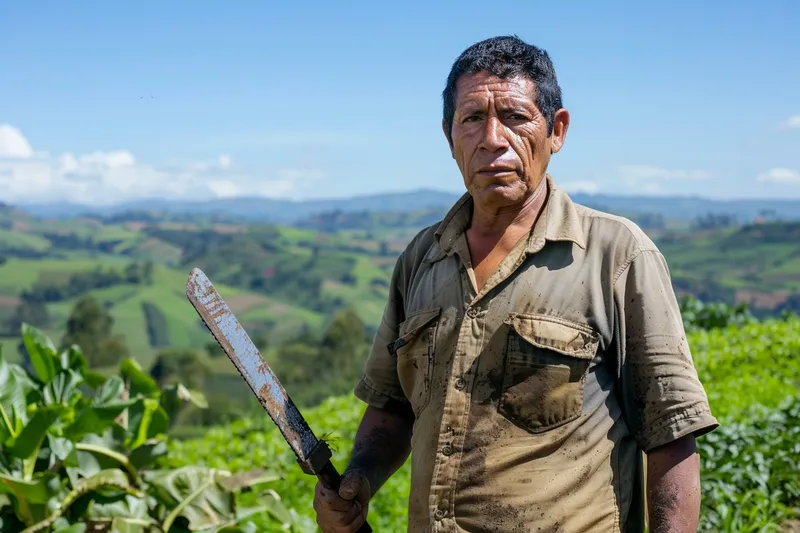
<point x="535" y="397"/>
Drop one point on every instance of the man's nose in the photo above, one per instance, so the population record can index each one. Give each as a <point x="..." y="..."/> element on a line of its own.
<point x="494" y="135"/>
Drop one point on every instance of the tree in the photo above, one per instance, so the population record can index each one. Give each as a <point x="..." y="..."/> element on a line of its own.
<point x="179" y="365"/>
<point x="29" y="311"/>
<point x="314" y="370"/>
<point x="133" y="274"/>
<point x="90" y="327"/>
<point x="147" y="273"/>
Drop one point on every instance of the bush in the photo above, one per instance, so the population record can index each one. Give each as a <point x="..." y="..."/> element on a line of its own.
<point x="78" y="451"/>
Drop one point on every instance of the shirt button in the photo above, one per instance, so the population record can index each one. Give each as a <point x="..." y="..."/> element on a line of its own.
<point x="439" y="514"/>
<point x="461" y="383"/>
<point x="447" y="450"/>
<point x="472" y="312"/>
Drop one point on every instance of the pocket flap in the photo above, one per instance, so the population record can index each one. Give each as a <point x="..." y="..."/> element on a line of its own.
<point x="555" y="334"/>
<point x="412" y="325"/>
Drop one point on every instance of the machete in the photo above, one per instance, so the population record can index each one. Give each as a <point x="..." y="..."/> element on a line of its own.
<point x="312" y="454"/>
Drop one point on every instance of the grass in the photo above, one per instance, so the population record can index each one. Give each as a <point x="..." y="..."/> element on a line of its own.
<point x="17" y="240"/>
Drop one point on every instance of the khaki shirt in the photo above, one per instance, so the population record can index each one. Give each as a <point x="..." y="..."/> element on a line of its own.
<point x="534" y="397"/>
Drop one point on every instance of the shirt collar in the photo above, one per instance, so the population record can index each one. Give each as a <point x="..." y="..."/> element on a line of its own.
<point x="559" y="221"/>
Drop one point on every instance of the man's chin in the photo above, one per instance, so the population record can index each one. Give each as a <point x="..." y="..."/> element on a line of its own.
<point x="499" y="194"/>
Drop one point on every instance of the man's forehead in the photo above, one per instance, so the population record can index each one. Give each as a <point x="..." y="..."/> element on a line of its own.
<point x="482" y="85"/>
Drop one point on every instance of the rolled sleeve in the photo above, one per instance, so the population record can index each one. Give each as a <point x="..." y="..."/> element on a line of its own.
<point x="662" y="394"/>
<point x="379" y="385"/>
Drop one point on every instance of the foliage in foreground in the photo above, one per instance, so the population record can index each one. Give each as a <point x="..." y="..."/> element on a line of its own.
<point x="78" y="450"/>
<point x="750" y="464"/>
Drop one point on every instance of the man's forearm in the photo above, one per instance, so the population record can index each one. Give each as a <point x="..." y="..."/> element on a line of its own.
<point x="673" y="487"/>
<point x="382" y="445"/>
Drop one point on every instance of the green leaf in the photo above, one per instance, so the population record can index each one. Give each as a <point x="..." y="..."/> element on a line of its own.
<point x="14" y="388"/>
<point x="139" y="382"/>
<point x="110" y="392"/>
<point x="41" y="351"/>
<point x="62" y="450"/>
<point x="174" y="396"/>
<point x="195" y="494"/>
<point x="27" y="444"/>
<point x="147" y="453"/>
<point x="72" y="358"/>
<point x="93" y="419"/>
<point x="63" y="388"/>
<point x="146" y="419"/>
<point x="36" y="491"/>
<point x="79" y="527"/>
<point x="244" y="480"/>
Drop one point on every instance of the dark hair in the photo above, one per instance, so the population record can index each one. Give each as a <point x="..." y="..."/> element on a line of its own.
<point x="506" y="57"/>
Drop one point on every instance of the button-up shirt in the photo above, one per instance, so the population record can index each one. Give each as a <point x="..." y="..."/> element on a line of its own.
<point x="535" y="396"/>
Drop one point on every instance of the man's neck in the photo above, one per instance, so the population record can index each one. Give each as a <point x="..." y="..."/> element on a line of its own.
<point x="488" y="222"/>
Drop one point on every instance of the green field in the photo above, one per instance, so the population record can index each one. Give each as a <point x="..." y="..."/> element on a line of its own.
<point x="288" y="280"/>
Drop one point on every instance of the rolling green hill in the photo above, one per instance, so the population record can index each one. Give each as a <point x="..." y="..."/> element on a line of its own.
<point x="286" y="281"/>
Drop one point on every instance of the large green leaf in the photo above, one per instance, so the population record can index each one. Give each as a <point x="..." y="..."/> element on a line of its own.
<point x="174" y="396"/>
<point x="41" y="351"/>
<point x="148" y="452"/>
<point x="146" y="420"/>
<point x="63" y="450"/>
<point x="27" y="444"/>
<point x="14" y="388"/>
<point x="101" y="452"/>
<point x="72" y="358"/>
<point x="195" y="494"/>
<point x="110" y="392"/>
<point x="139" y="382"/>
<point x="92" y="419"/>
<point x="29" y="494"/>
<point x="79" y="527"/>
<point x="63" y="388"/>
<point x="111" y="483"/>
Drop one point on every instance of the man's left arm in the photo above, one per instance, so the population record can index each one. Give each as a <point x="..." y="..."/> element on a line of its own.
<point x="666" y="405"/>
<point x="673" y="486"/>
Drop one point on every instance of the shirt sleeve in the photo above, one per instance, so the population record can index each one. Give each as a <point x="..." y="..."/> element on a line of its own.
<point x="379" y="385"/>
<point x="662" y="394"/>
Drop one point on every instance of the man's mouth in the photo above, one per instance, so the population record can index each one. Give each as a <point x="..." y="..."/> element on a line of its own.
<point x="496" y="171"/>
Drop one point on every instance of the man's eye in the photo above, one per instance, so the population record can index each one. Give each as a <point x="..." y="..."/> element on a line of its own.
<point x="471" y="118"/>
<point x="517" y="116"/>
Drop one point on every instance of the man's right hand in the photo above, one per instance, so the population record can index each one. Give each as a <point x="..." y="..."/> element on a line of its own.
<point x="346" y="511"/>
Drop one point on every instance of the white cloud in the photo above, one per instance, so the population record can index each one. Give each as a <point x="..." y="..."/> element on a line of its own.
<point x="102" y="178"/>
<point x="780" y="175"/>
<point x="648" y="173"/>
<point x="588" y="187"/>
<point x="792" y="123"/>
<point x="13" y="144"/>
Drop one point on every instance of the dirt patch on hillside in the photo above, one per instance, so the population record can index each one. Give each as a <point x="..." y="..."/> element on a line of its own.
<point x="136" y="226"/>
<point x="18" y="225"/>
<point x="244" y="302"/>
<point x="9" y="301"/>
<point x="229" y="228"/>
<point x="764" y="300"/>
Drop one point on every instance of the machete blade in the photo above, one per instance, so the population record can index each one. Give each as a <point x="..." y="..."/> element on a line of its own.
<point x="237" y="345"/>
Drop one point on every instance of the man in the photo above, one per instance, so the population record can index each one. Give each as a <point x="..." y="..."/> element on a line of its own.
<point x="531" y="348"/>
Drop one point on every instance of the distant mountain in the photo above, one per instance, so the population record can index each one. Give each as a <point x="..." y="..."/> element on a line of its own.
<point x="256" y="209"/>
<point x="290" y="212"/>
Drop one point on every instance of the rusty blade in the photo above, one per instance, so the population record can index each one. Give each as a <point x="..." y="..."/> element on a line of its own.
<point x="236" y="343"/>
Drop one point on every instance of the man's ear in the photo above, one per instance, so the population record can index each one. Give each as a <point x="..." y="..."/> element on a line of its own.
<point x="447" y="135"/>
<point x="560" y="127"/>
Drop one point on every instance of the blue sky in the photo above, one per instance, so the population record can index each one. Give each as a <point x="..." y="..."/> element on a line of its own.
<point x="106" y="101"/>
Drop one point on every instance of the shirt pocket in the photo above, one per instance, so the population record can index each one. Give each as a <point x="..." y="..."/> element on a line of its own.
<point x="414" y="350"/>
<point x="545" y="367"/>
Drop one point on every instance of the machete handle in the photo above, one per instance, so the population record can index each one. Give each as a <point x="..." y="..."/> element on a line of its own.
<point x="330" y="477"/>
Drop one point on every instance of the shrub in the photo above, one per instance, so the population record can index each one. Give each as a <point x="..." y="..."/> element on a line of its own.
<point x="79" y="449"/>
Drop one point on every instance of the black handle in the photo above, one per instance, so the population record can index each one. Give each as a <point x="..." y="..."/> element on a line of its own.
<point x="331" y="478"/>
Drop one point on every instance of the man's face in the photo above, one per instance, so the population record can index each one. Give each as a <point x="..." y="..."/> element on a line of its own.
<point x="499" y="138"/>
